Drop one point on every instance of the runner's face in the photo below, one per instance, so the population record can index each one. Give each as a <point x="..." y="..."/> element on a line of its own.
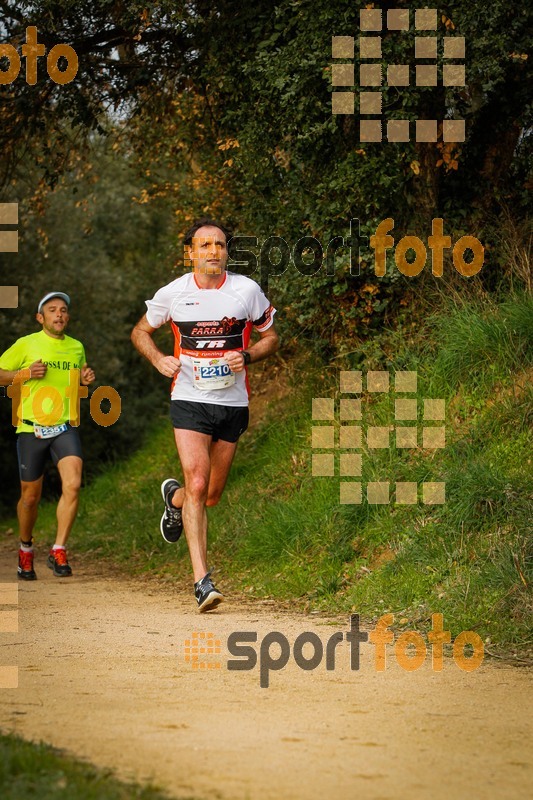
<point x="208" y="252"/>
<point x="54" y="317"/>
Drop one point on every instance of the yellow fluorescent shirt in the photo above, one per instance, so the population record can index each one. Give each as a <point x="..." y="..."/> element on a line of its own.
<point x="51" y="399"/>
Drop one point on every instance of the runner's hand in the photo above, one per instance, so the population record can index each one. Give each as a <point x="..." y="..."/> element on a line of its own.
<point x="87" y="375"/>
<point x="168" y="365"/>
<point x="235" y="360"/>
<point x="37" y="369"/>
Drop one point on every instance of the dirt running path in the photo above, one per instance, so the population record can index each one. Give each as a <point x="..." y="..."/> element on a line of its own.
<point x="103" y="674"/>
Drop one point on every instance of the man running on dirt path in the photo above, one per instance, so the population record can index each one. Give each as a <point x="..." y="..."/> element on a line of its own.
<point x="212" y="313"/>
<point x="41" y="364"/>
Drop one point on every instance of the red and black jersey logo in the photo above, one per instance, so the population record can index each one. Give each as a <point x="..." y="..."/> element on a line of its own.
<point x="228" y="324"/>
<point x="224" y="334"/>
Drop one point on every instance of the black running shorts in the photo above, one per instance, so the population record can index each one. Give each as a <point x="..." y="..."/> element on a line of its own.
<point x="32" y="452"/>
<point x="220" y="422"/>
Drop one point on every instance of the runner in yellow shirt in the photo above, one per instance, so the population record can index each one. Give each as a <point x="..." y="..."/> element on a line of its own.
<point x="42" y="365"/>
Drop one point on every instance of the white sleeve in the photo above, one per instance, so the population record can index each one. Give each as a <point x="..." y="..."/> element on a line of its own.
<point x="158" y="308"/>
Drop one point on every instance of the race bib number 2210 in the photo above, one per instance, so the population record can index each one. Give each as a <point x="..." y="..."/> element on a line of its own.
<point x="212" y="373"/>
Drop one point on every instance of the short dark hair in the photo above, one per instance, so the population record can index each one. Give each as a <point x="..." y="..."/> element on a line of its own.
<point x="206" y="222"/>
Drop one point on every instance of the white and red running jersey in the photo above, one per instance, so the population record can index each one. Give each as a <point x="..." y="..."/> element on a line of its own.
<point x="206" y="323"/>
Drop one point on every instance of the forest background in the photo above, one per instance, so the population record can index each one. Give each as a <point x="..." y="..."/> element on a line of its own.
<point x="181" y="109"/>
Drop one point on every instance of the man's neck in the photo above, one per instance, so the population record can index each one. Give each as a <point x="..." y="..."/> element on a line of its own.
<point x="209" y="281"/>
<point x="53" y="335"/>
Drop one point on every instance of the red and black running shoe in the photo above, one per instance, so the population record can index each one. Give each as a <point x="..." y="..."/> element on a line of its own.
<point x="25" y="569"/>
<point x="58" y="563"/>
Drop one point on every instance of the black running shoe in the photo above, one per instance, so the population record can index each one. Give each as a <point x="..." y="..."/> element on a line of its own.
<point x="25" y="569"/>
<point x="171" y="525"/>
<point x="206" y="594"/>
<point x="57" y="561"/>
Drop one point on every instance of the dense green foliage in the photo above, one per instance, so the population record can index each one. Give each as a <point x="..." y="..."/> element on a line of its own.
<point x="253" y="139"/>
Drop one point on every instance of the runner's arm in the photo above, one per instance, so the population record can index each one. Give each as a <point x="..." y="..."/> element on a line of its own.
<point x="35" y="370"/>
<point x="266" y="346"/>
<point x="6" y="376"/>
<point x="141" y="336"/>
<point x="87" y="375"/>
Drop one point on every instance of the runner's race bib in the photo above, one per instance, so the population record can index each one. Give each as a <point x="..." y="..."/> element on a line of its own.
<point x="212" y="373"/>
<point x="42" y="432"/>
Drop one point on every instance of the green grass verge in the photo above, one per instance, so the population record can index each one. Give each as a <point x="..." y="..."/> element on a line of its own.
<point x="39" y="772"/>
<point x="280" y="532"/>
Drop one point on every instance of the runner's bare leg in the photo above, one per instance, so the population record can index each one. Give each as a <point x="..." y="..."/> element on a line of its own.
<point x="28" y="507"/>
<point x="70" y="469"/>
<point x="222" y="454"/>
<point x="205" y="465"/>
